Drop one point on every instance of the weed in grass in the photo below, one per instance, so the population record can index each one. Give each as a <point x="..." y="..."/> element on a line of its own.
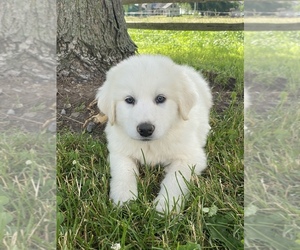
<point x="5" y="217"/>
<point x="80" y="108"/>
<point x="39" y="107"/>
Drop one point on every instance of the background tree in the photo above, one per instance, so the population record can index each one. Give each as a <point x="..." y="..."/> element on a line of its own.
<point x="267" y="6"/>
<point x="216" y="6"/>
<point x="92" y="36"/>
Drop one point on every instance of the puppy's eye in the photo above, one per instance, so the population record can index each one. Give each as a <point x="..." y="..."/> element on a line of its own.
<point x="130" y="100"/>
<point x="160" y="99"/>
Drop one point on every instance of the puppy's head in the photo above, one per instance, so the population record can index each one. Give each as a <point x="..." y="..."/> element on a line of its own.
<point x="147" y="95"/>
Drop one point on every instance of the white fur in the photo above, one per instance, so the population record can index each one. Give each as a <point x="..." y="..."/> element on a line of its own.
<point x="181" y="125"/>
<point x="247" y="102"/>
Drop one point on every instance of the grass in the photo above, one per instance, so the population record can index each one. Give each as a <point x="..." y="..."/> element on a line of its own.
<point x="220" y="52"/>
<point x="272" y="145"/>
<point x="213" y="216"/>
<point x="202" y="19"/>
<point x="27" y="191"/>
<point x="183" y="19"/>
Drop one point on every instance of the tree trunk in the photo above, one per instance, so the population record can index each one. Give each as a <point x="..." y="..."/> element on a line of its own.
<point x="92" y="36"/>
<point x="27" y="32"/>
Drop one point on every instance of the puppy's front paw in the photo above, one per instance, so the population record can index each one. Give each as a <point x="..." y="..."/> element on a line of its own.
<point x="161" y="205"/>
<point x="122" y="192"/>
<point x="166" y="205"/>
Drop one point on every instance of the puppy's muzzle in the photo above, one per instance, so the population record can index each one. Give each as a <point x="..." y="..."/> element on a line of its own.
<point x="145" y="129"/>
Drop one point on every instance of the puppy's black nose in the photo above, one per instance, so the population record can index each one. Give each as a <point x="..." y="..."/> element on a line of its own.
<point x="145" y="129"/>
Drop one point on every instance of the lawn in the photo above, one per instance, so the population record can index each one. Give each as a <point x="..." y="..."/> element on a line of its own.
<point x="27" y="190"/>
<point x="183" y="19"/>
<point x="202" y="19"/>
<point x="213" y="216"/>
<point x="272" y="197"/>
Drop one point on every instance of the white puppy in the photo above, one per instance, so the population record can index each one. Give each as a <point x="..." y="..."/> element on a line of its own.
<point x="157" y="111"/>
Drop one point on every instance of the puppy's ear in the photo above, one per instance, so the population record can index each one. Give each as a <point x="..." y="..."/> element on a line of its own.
<point x="106" y="103"/>
<point x="187" y="93"/>
<point x="186" y="100"/>
<point x="192" y="88"/>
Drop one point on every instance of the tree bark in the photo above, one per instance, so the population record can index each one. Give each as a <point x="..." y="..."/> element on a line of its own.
<point x="27" y="32"/>
<point x="92" y="37"/>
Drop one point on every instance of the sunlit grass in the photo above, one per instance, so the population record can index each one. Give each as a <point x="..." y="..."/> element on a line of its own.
<point x="212" y="19"/>
<point x="183" y="19"/>
<point x="219" y="52"/>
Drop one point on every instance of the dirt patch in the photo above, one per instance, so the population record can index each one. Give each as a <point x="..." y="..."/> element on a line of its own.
<point x="73" y="99"/>
<point x="268" y="91"/>
<point x="26" y="105"/>
<point x="221" y="91"/>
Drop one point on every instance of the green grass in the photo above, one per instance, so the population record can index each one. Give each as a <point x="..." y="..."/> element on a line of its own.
<point x="220" y="52"/>
<point x="183" y="19"/>
<point x="27" y="191"/>
<point x="272" y="146"/>
<point x="272" y="179"/>
<point x="274" y="54"/>
<point x="213" y="215"/>
<point x="212" y="19"/>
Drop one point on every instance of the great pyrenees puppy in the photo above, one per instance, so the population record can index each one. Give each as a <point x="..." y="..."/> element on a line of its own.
<point x="158" y="113"/>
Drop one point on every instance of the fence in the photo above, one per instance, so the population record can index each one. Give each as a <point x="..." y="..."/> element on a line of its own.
<point x="257" y="25"/>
